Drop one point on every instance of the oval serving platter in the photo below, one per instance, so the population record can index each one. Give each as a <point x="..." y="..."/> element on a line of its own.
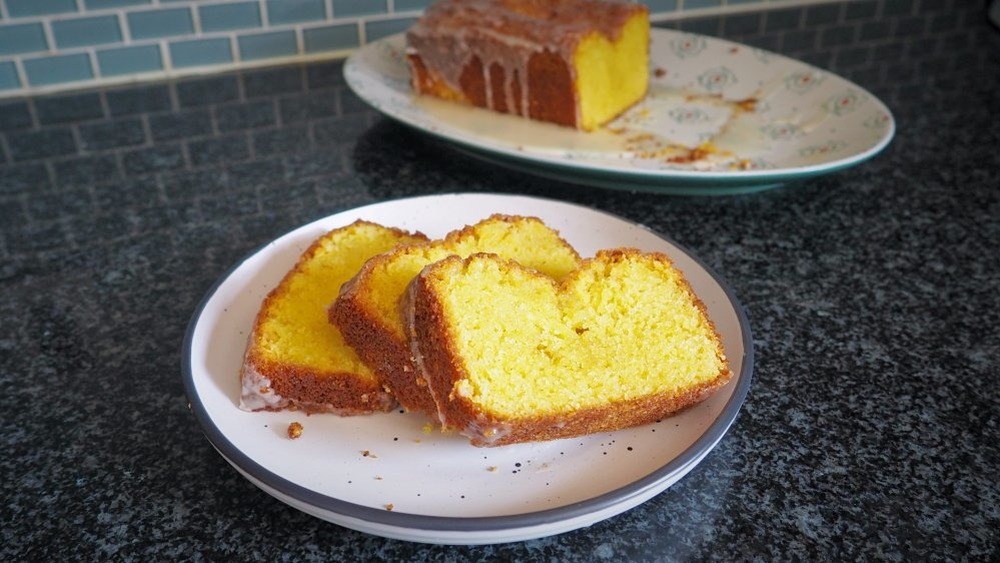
<point x="392" y="475"/>
<point x="720" y="117"/>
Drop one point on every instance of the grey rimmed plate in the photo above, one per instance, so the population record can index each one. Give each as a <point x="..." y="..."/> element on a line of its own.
<point x="390" y="474"/>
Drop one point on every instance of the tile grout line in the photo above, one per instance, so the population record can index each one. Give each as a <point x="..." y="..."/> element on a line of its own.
<point x="172" y="95"/>
<point x="119" y="162"/>
<point x="300" y="45"/>
<point x="251" y="146"/>
<point x="95" y="70"/>
<point x="213" y="119"/>
<point x="74" y="130"/>
<point x="161" y="189"/>
<point x="241" y="89"/>
<point x="186" y="155"/>
<point x="147" y="131"/>
<point x="234" y="49"/>
<point x="36" y="122"/>
<point x="265" y="20"/>
<point x="278" y="121"/>
<point x="165" y="59"/>
<point x="5" y="150"/>
<point x="50" y="171"/>
<point x="195" y="20"/>
<point x="362" y="35"/>
<point x="50" y="37"/>
<point x="102" y="98"/>
<point x="124" y="27"/>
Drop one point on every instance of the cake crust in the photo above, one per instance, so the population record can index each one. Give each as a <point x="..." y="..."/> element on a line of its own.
<point x="292" y="387"/>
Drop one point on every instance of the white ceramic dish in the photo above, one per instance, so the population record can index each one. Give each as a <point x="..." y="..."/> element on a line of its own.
<point x="804" y="121"/>
<point x="440" y="488"/>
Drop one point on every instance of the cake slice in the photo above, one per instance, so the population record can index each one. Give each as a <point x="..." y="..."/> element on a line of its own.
<point x="578" y="63"/>
<point x="295" y="359"/>
<point x="513" y="356"/>
<point x="367" y="310"/>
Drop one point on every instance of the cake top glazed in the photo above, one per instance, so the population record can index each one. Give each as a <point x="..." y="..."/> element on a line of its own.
<point x="529" y="22"/>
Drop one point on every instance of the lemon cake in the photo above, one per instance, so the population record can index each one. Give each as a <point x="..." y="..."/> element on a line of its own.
<point x="578" y="63"/>
<point x="367" y="310"/>
<point x="513" y="356"/>
<point x="295" y="359"/>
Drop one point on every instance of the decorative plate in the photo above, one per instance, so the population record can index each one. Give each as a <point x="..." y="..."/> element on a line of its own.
<point x="720" y="117"/>
<point x="392" y="475"/>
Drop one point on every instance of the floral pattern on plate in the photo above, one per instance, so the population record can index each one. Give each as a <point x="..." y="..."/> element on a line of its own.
<point x="716" y="111"/>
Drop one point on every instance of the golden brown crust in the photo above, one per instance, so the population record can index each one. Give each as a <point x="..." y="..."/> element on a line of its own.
<point x="549" y="79"/>
<point x="312" y="391"/>
<point x="387" y="355"/>
<point x="553" y="95"/>
<point x="491" y="431"/>
<point x="377" y="346"/>
<point x="289" y="386"/>
<point x="439" y="361"/>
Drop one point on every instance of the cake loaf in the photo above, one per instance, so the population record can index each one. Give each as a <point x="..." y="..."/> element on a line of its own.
<point x="295" y="359"/>
<point x="577" y="63"/>
<point x="513" y="356"/>
<point x="367" y="310"/>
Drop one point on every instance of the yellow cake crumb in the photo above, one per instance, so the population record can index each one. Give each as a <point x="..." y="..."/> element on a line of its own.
<point x="518" y="356"/>
<point x="295" y="358"/>
<point x="296" y="329"/>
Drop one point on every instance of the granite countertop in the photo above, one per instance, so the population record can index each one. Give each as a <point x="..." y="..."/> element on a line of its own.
<point x="870" y="431"/>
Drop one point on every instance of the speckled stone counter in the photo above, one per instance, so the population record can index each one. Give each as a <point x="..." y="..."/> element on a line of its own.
<point x="871" y="428"/>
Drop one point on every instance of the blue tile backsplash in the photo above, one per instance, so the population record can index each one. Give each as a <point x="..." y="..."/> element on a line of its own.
<point x="80" y="32"/>
<point x="293" y="11"/>
<point x="348" y="8"/>
<point x="22" y="38"/>
<point x="224" y="17"/>
<point x="331" y="38"/>
<point x="51" y="45"/>
<point x="129" y="60"/>
<point x="160" y="23"/>
<point x="201" y="52"/>
<point x="8" y="77"/>
<point x="375" y="30"/>
<point x="103" y="4"/>
<point x="24" y="8"/>
<point x="268" y="45"/>
<point x="57" y="69"/>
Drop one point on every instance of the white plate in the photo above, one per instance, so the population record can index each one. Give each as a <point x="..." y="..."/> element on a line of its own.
<point x="805" y="122"/>
<point x="441" y="489"/>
